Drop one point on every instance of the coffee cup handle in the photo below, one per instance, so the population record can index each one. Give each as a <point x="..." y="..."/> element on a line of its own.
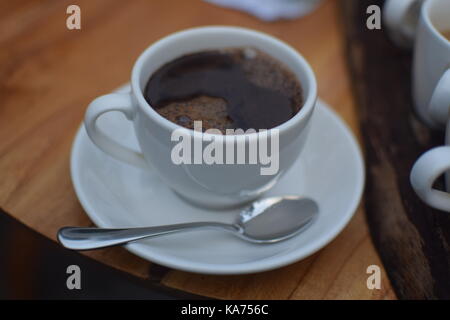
<point x="435" y="162"/>
<point x="440" y="100"/>
<point x="424" y="173"/>
<point x="112" y="102"/>
<point x="400" y="17"/>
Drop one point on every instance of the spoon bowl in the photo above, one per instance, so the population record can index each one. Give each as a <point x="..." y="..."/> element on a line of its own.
<point x="275" y="219"/>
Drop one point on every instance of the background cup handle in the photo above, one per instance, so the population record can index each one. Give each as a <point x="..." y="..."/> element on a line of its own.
<point x="435" y="162"/>
<point x="440" y="101"/>
<point x="112" y="102"/>
<point x="424" y="173"/>
<point x="401" y="18"/>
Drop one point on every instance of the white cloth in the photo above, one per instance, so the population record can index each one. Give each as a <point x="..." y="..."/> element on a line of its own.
<point x="270" y="10"/>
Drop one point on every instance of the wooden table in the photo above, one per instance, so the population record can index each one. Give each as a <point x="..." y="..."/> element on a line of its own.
<point x="48" y="76"/>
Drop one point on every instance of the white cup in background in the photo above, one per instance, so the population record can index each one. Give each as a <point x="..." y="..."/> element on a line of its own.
<point x="431" y="52"/>
<point x="431" y="85"/>
<point x="401" y="18"/>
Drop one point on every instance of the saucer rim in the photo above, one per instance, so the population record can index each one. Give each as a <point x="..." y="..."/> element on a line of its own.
<point x="266" y="264"/>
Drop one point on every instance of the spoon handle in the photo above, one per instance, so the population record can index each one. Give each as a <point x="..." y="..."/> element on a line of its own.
<point x="94" y="238"/>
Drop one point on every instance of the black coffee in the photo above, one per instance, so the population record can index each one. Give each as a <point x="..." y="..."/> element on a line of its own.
<point x="231" y="88"/>
<point x="446" y="34"/>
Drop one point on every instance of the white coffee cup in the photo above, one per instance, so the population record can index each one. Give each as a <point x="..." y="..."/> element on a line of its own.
<point x="207" y="185"/>
<point x="401" y="18"/>
<point x="431" y="52"/>
<point x="431" y="87"/>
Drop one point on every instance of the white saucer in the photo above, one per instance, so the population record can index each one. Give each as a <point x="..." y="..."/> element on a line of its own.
<point x="114" y="194"/>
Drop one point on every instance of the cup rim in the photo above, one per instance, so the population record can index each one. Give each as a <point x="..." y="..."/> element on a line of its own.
<point x="306" y="109"/>
<point x="427" y="19"/>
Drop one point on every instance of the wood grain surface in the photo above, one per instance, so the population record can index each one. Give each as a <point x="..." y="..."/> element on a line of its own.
<point x="48" y="76"/>
<point x="412" y="238"/>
